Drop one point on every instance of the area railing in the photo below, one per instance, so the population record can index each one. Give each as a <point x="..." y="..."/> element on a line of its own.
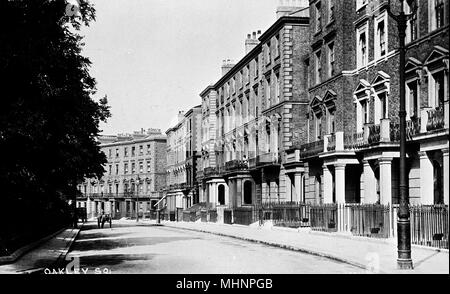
<point x="429" y="225"/>
<point x="243" y="215"/>
<point x="369" y="220"/>
<point x="284" y="214"/>
<point x="323" y="217"/>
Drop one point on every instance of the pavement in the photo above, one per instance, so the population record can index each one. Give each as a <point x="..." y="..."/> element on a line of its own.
<point x="374" y="255"/>
<point x="46" y="255"/>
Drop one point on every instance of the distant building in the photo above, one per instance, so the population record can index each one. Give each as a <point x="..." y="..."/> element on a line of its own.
<point x="135" y="171"/>
<point x="183" y="153"/>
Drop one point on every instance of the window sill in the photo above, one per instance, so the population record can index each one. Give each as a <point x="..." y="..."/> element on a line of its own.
<point x="330" y="22"/>
<point x="361" y="7"/>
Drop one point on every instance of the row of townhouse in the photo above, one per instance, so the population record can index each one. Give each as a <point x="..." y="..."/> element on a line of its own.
<point x="310" y="113"/>
<point x="182" y="153"/>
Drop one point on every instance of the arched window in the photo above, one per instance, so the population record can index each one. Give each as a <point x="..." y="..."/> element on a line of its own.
<point x="221" y="194"/>
<point x="248" y="192"/>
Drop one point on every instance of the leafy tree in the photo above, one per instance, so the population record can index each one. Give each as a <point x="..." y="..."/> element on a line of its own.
<point x="48" y="119"/>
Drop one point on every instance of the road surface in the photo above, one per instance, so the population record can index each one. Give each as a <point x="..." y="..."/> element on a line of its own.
<point x="131" y="248"/>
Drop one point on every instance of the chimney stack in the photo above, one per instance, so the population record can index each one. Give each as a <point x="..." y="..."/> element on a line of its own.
<point x="288" y="7"/>
<point x="180" y="115"/>
<point x="251" y="41"/>
<point x="226" y="66"/>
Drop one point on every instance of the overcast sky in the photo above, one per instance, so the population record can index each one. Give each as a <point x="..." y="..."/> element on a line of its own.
<point x="154" y="57"/>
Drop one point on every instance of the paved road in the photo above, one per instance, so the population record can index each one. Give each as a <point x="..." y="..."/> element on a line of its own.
<point x="127" y="248"/>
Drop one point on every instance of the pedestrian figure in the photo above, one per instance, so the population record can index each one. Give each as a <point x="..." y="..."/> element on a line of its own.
<point x="100" y="219"/>
<point x="106" y="218"/>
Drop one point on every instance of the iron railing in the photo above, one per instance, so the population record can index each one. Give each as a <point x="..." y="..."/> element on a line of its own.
<point x="394" y="132"/>
<point x="436" y="120"/>
<point x="323" y="217"/>
<point x="228" y="216"/>
<point x="412" y="128"/>
<point x="331" y="146"/>
<point x="285" y="214"/>
<point x="243" y="215"/>
<point x="311" y="149"/>
<point x="354" y="141"/>
<point x="268" y="158"/>
<point x="369" y="220"/>
<point x="236" y="165"/>
<point x="374" y="134"/>
<point x="429" y="225"/>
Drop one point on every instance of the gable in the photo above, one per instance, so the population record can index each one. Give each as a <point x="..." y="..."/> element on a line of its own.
<point x="437" y="54"/>
<point x="412" y="64"/>
<point x="329" y="97"/>
<point x="381" y="77"/>
<point x="362" y="86"/>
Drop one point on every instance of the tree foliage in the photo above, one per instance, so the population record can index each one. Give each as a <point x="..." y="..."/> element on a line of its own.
<point x="49" y="120"/>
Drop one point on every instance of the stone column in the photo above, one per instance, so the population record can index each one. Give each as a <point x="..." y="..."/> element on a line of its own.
<point x="370" y="184"/>
<point x="238" y="192"/>
<point x="327" y="185"/>
<point x="298" y="186"/>
<point x="214" y="196"/>
<point x="339" y="177"/>
<point x="446" y="174"/>
<point x="426" y="179"/>
<point x="339" y="170"/>
<point x="88" y="207"/>
<point x="289" y="194"/>
<point x="385" y="180"/>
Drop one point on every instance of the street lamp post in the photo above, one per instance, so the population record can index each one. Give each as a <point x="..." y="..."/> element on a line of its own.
<point x="404" y="260"/>
<point x="137" y="199"/>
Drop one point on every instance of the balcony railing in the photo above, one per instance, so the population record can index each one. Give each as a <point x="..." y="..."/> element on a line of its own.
<point x="331" y="144"/>
<point x="374" y="134"/>
<point x="118" y="195"/>
<point x="311" y="149"/>
<point x="436" y="120"/>
<point x="354" y="141"/>
<point x="236" y="165"/>
<point x="394" y="132"/>
<point x="412" y="128"/>
<point x="211" y="171"/>
<point x="268" y="158"/>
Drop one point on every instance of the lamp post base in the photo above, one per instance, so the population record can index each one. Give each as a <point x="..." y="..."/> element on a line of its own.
<point x="404" y="264"/>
